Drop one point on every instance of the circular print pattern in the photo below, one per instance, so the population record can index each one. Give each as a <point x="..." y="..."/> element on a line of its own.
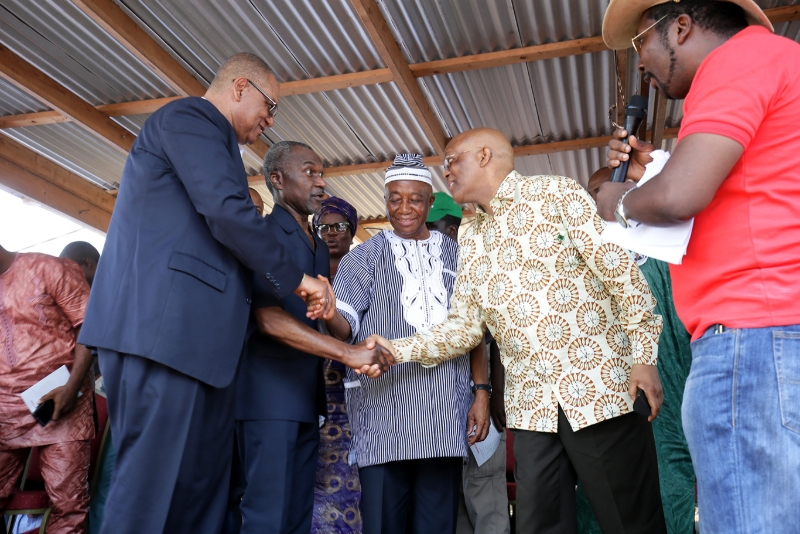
<point x="513" y="417"/>
<point x="509" y="255"/>
<point x="530" y="395"/>
<point x="599" y="223"/>
<point x="544" y="420"/>
<point x="577" y="389"/>
<point x="562" y="296"/>
<point x="615" y="374"/>
<point x="464" y="288"/>
<point x="516" y="344"/>
<point x="534" y="275"/>
<point x="534" y="189"/>
<point x="616" y="310"/>
<point x="641" y="349"/>
<point x="480" y="269"/>
<point x="591" y="318"/>
<point x="654" y="324"/>
<point x="518" y="368"/>
<point x="595" y="286"/>
<point x="569" y="263"/>
<point x="639" y="282"/>
<point x="520" y="219"/>
<point x="608" y="407"/>
<point x="618" y="340"/>
<point x="585" y="353"/>
<point x="636" y="305"/>
<point x="499" y="289"/>
<point x="524" y="310"/>
<point x="547" y="367"/>
<point x="577" y="209"/>
<point x="550" y="208"/>
<point x="553" y="332"/>
<point x="495" y="319"/>
<point x="581" y="242"/>
<point x="544" y="240"/>
<point x="575" y="418"/>
<point x="491" y="234"/>
<point x="611" y="260"/>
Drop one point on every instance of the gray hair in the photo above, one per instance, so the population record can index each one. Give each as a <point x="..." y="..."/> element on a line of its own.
<point x="240" y="65"/>
<point x="275" y="159"/>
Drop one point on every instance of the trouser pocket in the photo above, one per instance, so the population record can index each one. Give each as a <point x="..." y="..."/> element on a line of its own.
<point x="786" y="350"/>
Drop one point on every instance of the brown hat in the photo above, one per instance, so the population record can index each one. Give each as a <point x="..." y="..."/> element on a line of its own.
<point x="623" y="17"/>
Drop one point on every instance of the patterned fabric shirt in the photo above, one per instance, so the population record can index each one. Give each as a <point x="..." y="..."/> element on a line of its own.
<point x="570" y="313"/>
<point x="42" y="302"/>
<point x="395" y="287"/>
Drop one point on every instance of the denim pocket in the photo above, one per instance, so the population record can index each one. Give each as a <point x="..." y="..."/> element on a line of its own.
<point x="786" y="347"/>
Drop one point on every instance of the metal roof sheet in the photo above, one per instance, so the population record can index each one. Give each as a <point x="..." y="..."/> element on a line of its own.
<point x="13" y="101"/>
<point x="67" y="45"/>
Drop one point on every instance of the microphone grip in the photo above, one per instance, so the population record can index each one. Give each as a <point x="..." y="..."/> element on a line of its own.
<point x="632" y="124"/>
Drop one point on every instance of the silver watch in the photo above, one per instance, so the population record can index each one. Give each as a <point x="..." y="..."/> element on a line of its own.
<point x="619" y="213"/>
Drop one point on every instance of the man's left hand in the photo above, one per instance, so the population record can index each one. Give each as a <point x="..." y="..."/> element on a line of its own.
<point x="64" y="397"/>
<point x="608" y="197"/>
<point x="645" y="377"/>
<point x="478" y="419"/>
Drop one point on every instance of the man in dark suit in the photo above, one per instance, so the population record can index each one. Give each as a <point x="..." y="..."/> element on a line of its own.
<point x="279" y="389"/>
<point x="171" y="298"/>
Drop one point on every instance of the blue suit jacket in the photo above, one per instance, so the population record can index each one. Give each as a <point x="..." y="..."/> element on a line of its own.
<point x="276" y="381"/>
<point x="173" y="284"/>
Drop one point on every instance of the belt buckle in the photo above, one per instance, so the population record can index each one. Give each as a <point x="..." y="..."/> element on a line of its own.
<point x="718" y="329"/>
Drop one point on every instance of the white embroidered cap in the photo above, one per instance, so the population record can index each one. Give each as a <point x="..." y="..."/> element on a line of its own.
<point x="408" y="167"/>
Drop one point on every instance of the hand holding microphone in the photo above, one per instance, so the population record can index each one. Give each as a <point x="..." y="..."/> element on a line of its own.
<point x="627" y="155"/>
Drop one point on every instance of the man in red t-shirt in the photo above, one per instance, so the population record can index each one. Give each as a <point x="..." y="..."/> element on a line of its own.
<point x="736" y="171"/>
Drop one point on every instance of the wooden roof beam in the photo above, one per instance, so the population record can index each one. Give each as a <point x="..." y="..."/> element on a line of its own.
<point x="26" y="172"/>
<point x="34" y="82"/>
<point x="377" y="29"/>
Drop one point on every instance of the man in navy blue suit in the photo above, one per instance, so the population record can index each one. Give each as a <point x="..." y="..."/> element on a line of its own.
<point x="171" y="297"/>
<point x="279" y="389"/>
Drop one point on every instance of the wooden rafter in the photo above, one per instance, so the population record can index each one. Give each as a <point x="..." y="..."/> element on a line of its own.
<point x="376" y="27"/>
<point x="31" y="80"/>
<point x="137" y="107"/>
<point x="26" y="172"/>
<point x="119" y="25"/>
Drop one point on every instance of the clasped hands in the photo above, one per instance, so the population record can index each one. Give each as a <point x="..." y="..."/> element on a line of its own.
<point x="373" y="356"/>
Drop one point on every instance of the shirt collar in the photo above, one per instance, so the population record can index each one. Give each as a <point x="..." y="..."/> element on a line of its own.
<point x="508" y="193"/>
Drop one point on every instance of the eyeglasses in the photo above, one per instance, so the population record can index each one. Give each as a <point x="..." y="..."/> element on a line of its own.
<point x="272" y="106"/>
<point x="638" y="38"/>
<point x="336" y="228"/>
<point x="448" y="160"/>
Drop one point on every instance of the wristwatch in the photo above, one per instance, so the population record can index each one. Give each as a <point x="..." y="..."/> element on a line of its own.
<point x="619" y="213"/>
<point x="485" y="387"/>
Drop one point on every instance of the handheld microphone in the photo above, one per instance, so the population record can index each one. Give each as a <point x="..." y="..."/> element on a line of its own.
<point x="635" y="113"/>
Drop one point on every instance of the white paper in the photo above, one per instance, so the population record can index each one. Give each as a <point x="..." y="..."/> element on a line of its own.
<point x="483" y="450"/>
<point x="57" y="378"/>
<point x="663" y="243"/>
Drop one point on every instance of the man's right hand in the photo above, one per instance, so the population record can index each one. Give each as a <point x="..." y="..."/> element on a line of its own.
<point x="638" y="152"/>
<point x="370" y="357"/>
<point x="319" y="297"/>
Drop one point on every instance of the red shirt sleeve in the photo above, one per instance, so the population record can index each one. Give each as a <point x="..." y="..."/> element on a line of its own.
<point x="67" y="285"/>
<point x="733" y="89"/>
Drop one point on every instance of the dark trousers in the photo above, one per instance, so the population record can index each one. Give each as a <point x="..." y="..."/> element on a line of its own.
<point x="173" y="438"/>
<point x="616" y="462"/>
<point x="280" y="464"/>
<point x="411" y="496"/>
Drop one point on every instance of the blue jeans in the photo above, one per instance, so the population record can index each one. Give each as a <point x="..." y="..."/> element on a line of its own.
<point x="741" y="416"/>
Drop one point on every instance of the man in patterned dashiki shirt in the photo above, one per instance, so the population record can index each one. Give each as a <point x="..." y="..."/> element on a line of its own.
<point x="573" y="317"/>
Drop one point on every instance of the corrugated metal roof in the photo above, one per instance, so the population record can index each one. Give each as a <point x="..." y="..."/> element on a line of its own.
<point x="14" y="101"/>
<point x="76" y="149"/>
<point x="62" y="41"/>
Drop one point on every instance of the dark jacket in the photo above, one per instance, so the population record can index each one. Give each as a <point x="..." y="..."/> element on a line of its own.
<point x="174" y="281"/>
<point x="276" y="381"/>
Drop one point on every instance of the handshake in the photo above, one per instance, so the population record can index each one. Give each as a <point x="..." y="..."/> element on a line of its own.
<point x="372" y="357"/>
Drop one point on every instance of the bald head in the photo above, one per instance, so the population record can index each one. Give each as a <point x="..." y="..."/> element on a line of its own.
<point x="479" y="160"/>
<point x="600" y="177"/>
<point x="85" y="255"/>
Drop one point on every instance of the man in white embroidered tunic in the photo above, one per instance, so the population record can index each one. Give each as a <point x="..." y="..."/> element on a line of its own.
<point x="409" y="425"/>
<point x="578" y="338"/>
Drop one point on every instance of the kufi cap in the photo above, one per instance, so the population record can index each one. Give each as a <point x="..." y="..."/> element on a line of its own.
<point x="408" y="167"/>
<point x="443" y="204"/>
<point x="622" y="19"/>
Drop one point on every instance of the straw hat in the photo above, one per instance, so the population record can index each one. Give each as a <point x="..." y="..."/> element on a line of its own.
<point x="623" y="17"/>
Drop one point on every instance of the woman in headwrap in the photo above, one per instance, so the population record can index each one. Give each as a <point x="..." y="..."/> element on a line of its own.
<point x="337" y="494"/>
